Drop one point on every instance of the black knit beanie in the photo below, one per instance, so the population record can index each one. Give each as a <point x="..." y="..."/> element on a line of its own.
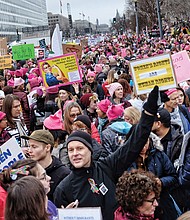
<point x="82" y="137"/>
<point x="85" y="120"/>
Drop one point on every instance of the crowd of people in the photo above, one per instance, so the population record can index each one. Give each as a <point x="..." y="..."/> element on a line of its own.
<point x="97" y="142"/>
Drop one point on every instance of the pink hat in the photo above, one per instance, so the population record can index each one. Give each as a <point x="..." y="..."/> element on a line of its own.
<point x="36" y="70"/>
<point x="10" y="82"/>
<point x="18" y="73"/>
<point x="112" y="87"/>
<point x="170" y="91"/>
<point x="2" y="115"/>
<point x="104" y="104"/>
<point x="52" y="90"/>
<point x="34" y="82"/>
<point x="24" y="71"/>
<point x="98" y="68"/>
<point x="91" y="73"/>
<point x="54" y="122"/>
<point x="115" y="111"/>
<point x="31" y="76"/>
<point x="18" y="81"/>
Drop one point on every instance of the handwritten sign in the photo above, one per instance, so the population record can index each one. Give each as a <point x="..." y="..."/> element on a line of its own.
<point x="59" y="70"/>
<point x="80" y="214"/>
<point x="153" y="71"/>
<point x="73" y="48"/>
<point x="5" y="61"/>
<point x="10" y="152"/>
<point x="23" y="52"/>
<point x="3" y="46"/>
<point x="181" y="65"/>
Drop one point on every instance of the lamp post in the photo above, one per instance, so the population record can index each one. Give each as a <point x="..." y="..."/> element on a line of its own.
<point x="159" y="18"/>
<point x="136" y="18"/>
<point x="83" y="15"/>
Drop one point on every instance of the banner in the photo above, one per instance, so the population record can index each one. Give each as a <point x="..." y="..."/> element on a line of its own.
<point x="23" y="52"/>
<point x="5" y="61"/>
<point x="60" y="70"/>
<point x="73" y="48"/>
<point x="80" y="214"/>
<point x="3" y="46"/>
<point x="181" y="63"/>
<point x="153" y="71"/>
<point x="10" y="152"/>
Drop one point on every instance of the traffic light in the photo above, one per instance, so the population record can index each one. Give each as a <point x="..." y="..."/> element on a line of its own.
<point x="70" y="21"/>
<point x="114" y="20"/>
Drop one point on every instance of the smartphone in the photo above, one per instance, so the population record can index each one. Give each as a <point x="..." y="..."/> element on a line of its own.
<point x="75" y="203"/>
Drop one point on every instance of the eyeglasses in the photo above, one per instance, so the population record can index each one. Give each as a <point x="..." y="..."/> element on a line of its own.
<point x="74" y="115"/>
<point x="79" y="129"/>
<point x="152" y="200"/>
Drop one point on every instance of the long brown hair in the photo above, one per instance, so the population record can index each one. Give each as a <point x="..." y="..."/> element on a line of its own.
<point x="26" y="200"/>
<point x="7" y="108"/>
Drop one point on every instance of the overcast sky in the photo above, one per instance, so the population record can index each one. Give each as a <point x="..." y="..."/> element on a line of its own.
<point x="104" y="10"/>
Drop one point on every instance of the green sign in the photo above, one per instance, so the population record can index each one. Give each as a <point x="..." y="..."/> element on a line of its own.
<point x="23" y="52"/>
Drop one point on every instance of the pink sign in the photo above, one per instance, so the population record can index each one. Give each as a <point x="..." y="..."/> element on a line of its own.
<point x="181" y="65"/>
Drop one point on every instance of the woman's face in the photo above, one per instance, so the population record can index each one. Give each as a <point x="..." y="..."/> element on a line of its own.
<point x="149" y="205"/>
<point x="93" y="104"/>
<point x="46" y="68"/>
<point x="63" y="95"/>
<point x="145" y="148"/>
<point x="127" y="118"/>
<point x="74" y="112"/>
<point x="90" y="79"/>
<point x="44" y="178"/>
<point x="119" y="92"/>
<point x="16" y="109"/>
<point x="181" y="97"/>
<point x="100" y="113"/>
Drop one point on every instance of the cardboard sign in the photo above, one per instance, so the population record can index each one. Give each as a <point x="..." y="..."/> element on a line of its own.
<point x="5" y="61"/>
<point x="23" y="52"/>
<point x="10" y="152"/>
<point x="3" y="46"/>
<point x="84" y="42"/>
<point x="80" y="214"/>
<point x="181" y="63"/>
<point x="60" y="70"/>
<point x="153" y="71"/>
<point x="73" y="48"/>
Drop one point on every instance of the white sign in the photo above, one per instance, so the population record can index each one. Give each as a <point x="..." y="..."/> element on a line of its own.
<point x="80" y="214"/>
<point x="10" y="152"/>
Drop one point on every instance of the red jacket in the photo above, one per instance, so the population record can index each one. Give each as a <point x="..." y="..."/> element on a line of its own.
<point x="3" y="196"/>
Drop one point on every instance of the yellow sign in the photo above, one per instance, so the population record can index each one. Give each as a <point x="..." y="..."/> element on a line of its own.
<point x="153" y="71"/>
<point x="60" y="70"/>
<point x="5" y="61"/>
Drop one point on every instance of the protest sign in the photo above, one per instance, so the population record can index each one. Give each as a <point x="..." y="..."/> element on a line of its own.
<point x="5" y="61"/>
<point x="23" y="52"/>
<point x="3" y="46"/>
<point x="40" y="53"/>
<point x="59" y="70"/>
<point x="10" y="152"/>
<point x="80" y="214"/>
<point x="181" y="63"/>
<point x="153" y="71"/>
<point x="73" y="48"/>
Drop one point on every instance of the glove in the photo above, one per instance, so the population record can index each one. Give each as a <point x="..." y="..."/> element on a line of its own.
<point x="151" y="105"/>
<point x="164" y="97"/>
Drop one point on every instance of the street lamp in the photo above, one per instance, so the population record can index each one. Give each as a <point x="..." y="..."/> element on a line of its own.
<point x="136" y="18"/>
<point x="83" y="15"/>
<point x="159" y="18"/>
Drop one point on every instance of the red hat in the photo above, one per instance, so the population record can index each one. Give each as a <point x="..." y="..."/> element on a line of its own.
<point x="85" y="99"/>
<point x="115" y="111"/>
<point x="103" y="105"/>
<point x="2" y="115"/>
<point x="54" y="122"/>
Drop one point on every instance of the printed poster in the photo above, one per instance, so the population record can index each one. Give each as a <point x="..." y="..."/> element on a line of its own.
<point x="153" y="71"/>
<point x="10" y="152"/>
<point x="60" y="70"/>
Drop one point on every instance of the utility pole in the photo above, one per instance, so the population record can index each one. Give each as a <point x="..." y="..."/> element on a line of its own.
<point x="70" y="18"/>
<point x="136" y="18"/>
<point x="159" y="18"/>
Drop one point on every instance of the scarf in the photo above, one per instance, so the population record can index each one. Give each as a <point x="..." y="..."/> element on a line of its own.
<point x="22" y="130"/>
<point x="101" y="123"/>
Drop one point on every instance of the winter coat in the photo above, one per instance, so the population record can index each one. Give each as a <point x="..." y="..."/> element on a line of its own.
<point x="114" y="135"/>
<point x="4" y="136"/>
<point x="57" y="171"/>
<point x="3" y="196"/>
<point x="103" y="173"/>
<point x="25" y="106"/>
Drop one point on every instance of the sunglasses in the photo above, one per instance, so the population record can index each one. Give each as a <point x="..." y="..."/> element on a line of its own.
<point x="74" y="115"/>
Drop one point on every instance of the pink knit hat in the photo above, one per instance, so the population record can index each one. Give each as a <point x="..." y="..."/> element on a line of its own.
<point x="170" y="91"/>
<point x="54" y="122"/>
<point x="10" y="82"/>
<point x="91" y="73"/>
<point x="104" y="104"/>
<point x="115" y="111"/>
<point x="98" y="68"/>
<point x="34" y="82"/>
<point x="112" y="87"/>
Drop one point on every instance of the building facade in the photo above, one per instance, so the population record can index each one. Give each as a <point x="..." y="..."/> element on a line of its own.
<point x="14" y="15"/>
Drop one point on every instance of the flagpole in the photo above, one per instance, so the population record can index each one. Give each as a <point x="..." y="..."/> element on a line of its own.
<point x="61" y="6"/>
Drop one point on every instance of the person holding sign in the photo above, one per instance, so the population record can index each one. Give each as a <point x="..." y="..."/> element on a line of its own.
<point x="94" y="183"/>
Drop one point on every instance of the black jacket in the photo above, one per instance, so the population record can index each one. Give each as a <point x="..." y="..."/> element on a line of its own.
<point x="57" y="171"/>
<point x="104" y="172"/>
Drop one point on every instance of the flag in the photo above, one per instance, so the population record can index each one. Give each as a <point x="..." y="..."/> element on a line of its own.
<point x="57" y="42"/>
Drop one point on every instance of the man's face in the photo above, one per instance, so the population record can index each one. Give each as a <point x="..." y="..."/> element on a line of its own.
<point x="173" y="102"/>
<point x="155" y="126"/>
<point x="38" y="150"/>
<point x="79" y="154"/>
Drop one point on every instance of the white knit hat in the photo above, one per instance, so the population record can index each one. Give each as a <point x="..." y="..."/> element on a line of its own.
<point x="2" y="94"/>
<point x="18" y="81"/>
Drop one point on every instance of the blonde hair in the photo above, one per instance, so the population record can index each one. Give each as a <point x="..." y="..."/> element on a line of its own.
<point x="133" y="113"/>
<point x="110" y="78"/>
